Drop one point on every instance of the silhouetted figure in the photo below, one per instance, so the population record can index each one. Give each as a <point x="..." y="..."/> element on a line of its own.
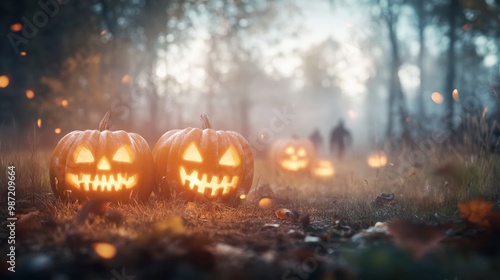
<point x="316" y="139"/>
<point x="340" y="137"/>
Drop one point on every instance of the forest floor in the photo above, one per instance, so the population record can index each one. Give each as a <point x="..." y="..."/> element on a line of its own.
<point x="443" y="223"/>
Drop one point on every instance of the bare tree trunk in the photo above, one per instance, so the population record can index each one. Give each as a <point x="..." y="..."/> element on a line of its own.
<point x="396" y="97"/>
<point x="390" y="113"/>
<point x="421" y="55"/>
<point x="450" y="75"/>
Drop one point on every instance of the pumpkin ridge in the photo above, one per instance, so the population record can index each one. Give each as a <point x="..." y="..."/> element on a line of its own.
<point x="54" y="173"/>
<point x="162" y="140"/>
<point x="161" y="153"/>
<point x="171" y="155"/>
<point x="116" y="180"/>
<point x="204" y="175"/>
<point x="246" y="161"/>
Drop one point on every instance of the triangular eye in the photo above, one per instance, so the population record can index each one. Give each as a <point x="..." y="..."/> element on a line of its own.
<point x="84" y="155"/>
<point x="123" y="154"/>
<point x="230" y="157"/>
<point x="192" y="153"/>
<point x="289" y="150"/>
<point x="301" y="152"/>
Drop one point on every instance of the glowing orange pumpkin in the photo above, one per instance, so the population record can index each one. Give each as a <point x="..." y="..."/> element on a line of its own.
<point x="100" y="163"/>
<point x="206" y="162"/>
<point x="377" y="160"/>
<point x="292" y="155"/>
<point x="322" y="169"/>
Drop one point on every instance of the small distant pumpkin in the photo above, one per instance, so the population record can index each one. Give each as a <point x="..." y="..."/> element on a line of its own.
<point x="204" y="162"/>
<point x="115" y="165"/>
<point x="377" y="160"/>
<point x="322" y="169"/>
<point x="292" y="155"/>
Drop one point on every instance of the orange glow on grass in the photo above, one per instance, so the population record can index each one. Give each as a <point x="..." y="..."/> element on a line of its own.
<point x="323" y="169"/>
<point x="22" y="53"/>
<point x="243" y="196"/>
<point x="57" y="130"/>
<point x="39" y="123"/>
<point x="437" y="97"/>
<point x="4" y="81"/>
<point x="30" y="94"/>
<point x="105" y="250"/>
<point x="64" y="103"/>
<point x="16" y="27"/>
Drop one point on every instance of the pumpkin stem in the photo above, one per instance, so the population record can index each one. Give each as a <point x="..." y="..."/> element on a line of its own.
<point x="205" y="121"/>
<point x="104" y="123"/>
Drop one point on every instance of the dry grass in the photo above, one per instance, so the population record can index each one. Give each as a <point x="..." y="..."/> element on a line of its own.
<point x="426" y="193"/>
<point x="429" y="193"/>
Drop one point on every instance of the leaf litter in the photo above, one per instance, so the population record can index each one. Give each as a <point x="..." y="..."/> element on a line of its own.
<point x="289" y="239"/>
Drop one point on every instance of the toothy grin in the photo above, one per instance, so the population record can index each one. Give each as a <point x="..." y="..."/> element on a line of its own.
<point x="213" y="187"/>
<point x="294" y="165"/>
<point x="102" y="183"/>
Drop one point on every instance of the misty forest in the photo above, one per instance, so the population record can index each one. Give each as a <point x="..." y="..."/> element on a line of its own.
<point x="251" y="139"/>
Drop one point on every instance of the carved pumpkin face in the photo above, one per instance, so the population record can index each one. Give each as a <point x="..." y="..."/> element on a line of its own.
<point x="377" y="160"/>
<point x="193" y="161"/>
<point x="293" y="155"/>
<point x="323" y="169"/>
<point x="90" y="164"/>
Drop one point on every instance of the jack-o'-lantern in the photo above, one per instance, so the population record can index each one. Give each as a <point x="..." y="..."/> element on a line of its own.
<point x="292" y="155"/>
<point x="322" y="169"/>
<point x="115" y="165"/>
<point x="204" y="162"/>
<point x="377" y="160"/>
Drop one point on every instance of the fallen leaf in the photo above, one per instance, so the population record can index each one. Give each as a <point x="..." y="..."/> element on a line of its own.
<point x="284" y="214"/>
<point x="477" y="211"/>
<point x="418" y="238"/>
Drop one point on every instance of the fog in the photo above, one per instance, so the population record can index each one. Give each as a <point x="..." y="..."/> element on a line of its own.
<point x="267" y="69"/>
